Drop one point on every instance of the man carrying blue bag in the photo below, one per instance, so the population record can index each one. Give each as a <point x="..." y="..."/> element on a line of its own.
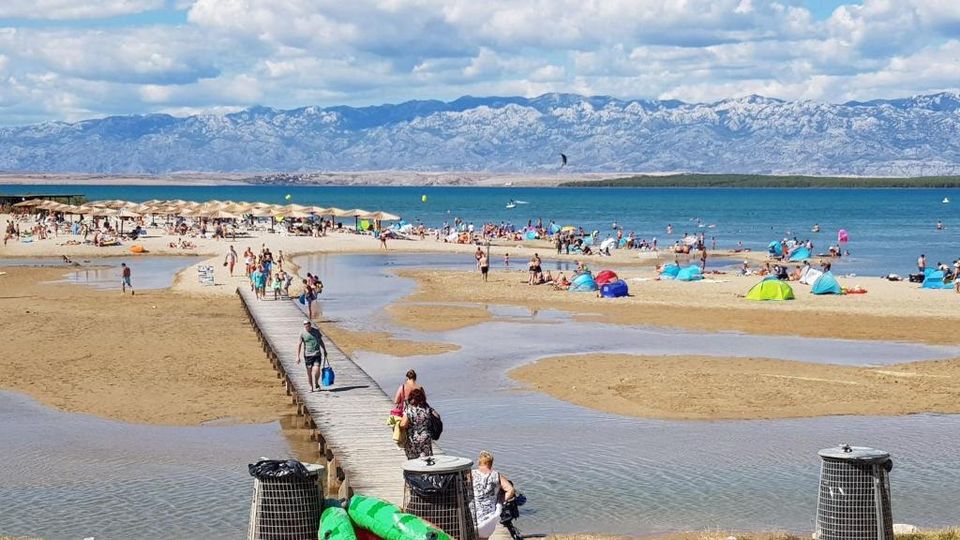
<point x="315" y="356"/>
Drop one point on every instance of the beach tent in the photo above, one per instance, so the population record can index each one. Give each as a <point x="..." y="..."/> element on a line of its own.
<point x="606" y="276"/>
<point x="614" y="289"/>
<point x="934" y="279"/>
<point x="554" y="228"/>
<point x="690" y="273"/>
<point x="800" y="253"/>
<point x="530" y="235"/>
<point x="826" y="284"/>
<point x="669" y="271"/>
<point x="583" y="283"/>
<point x="810" y="276"/>
<point x="774" y="248"/>
<point x="609" y="243"/>
<point x="770" y="289"/>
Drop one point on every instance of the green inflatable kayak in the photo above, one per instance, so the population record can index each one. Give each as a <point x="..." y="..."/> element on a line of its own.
<point x="335" y="524"/>
<point x="388" y="522"/>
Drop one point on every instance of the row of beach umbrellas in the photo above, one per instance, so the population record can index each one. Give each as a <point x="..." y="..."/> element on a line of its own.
<point x="209" y="209"/>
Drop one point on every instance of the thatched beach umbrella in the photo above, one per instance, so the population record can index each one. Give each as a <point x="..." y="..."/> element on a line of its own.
<point x="29" y="203"/>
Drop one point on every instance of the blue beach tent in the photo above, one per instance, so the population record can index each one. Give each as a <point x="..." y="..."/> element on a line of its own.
<point x="669" y="271"/>
<point x="775" y="248"/>
<point x="614" y="289"/>
<point x="583" y="283"/>
<point x="935" y="280"/>
<point x="826" y="284"/>
<point x="690" y="273"/>
<point x="799" y="254"/>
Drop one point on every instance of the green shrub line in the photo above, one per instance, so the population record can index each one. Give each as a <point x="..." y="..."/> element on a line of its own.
<point x="768" y="181"/>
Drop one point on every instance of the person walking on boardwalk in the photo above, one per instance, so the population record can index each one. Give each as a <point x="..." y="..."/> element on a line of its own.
<point x="314" y="352"/>
<point x="416" y="418"/>
<point x="125" y="280"/>
<point x="403" y="393"/>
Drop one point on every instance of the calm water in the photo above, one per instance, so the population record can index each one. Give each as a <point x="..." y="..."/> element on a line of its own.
<point x="590" y="471"/>
<point x="75" y="476"/>
<point x="888" y="228"/>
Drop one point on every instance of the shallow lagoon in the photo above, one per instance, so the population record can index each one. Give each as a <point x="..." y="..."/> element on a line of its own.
<point x="590" y="471"/>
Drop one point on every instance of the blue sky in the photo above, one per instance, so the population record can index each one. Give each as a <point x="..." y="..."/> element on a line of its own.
<point x="74" y="59"/>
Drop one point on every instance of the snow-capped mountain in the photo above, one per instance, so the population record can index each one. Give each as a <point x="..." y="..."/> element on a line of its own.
<point x="916" y="136"/>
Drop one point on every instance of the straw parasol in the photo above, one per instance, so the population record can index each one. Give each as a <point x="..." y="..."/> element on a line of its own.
<point x="263" y="211"/>
<point x="221" y="214"/>
<point x="115" y="204"/>
<point x="384" y="216"/>
<point x="30" y="203"/>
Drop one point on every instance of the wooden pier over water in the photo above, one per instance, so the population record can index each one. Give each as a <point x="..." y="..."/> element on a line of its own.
<point x="348" y="421"/>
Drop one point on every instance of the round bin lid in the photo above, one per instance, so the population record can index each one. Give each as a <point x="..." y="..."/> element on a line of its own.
<point x="438" y="464"/>
<point x="854" y="453"/>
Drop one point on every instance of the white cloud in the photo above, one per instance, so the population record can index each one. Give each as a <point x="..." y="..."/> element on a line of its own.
<point x="74" y="9"/>
<point x="290" y="53"/>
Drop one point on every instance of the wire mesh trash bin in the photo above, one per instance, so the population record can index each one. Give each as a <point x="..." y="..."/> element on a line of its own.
<point x="854" y="500"/>
<point x="287" y="500"/>
<point x="438" y="489"/>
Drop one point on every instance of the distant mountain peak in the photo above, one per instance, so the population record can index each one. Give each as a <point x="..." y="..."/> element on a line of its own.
<point x="745" y="134"/>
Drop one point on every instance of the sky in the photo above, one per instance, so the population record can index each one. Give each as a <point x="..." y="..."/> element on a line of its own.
<point x="65" y="60"/>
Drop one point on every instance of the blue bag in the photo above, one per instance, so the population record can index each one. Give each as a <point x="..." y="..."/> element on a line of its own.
<point x="326" y="376"/>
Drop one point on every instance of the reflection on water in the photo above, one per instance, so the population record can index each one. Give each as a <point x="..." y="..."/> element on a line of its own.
<point x="147" y="272"/>
<point x="590" y="471"/>
<point x="74" y="476"/>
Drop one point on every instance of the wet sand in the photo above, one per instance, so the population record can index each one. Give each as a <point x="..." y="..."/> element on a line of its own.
<point x="160" y="357"/>
<point x="382" y="342"/>
<point x="716" y="388"/>
<point x="434" y="318"/>
<point x="890" y="311"/>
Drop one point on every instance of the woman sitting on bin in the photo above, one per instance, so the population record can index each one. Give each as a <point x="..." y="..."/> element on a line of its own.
<point x="490" y="488"/>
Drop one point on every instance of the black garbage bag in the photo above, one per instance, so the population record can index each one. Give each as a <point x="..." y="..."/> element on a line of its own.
<point x="429" y="484"/>
<point x="276" y="469"/>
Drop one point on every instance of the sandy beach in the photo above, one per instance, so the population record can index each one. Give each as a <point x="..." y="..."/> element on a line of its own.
<point x="160" y="357"/>
<point x="717" y="388"/>
<point x="891" y="311"/>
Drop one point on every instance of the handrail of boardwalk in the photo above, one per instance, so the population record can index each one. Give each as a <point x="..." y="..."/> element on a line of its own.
<point x="350" y="418"/>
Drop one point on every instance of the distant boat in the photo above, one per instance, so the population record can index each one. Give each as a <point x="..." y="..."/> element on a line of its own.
<point x="511" y="205"/>
<point x="945" y="201"/>
<point x="508" y="184"/>
<point x="521" y="202"/>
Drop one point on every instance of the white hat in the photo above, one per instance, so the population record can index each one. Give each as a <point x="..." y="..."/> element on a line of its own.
<point x="307" y="321"/>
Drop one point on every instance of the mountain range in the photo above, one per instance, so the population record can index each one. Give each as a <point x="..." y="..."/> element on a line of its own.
<point x="915" y="136"/>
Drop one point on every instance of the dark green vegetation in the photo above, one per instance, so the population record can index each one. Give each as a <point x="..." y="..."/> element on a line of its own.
<point x="768" y="181"/>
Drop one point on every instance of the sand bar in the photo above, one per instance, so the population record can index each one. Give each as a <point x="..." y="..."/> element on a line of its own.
<point x="715" y="388"/>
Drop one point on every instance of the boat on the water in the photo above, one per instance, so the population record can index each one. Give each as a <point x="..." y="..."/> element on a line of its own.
<point x="945" y="200"/>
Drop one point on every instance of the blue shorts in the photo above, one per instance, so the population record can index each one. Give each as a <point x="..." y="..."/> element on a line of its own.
<point x="126" y="281"/>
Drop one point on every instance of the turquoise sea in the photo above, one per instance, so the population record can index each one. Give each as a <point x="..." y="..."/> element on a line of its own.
<point x="888" y="228"/>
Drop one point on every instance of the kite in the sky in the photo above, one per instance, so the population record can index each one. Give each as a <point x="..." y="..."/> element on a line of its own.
<point x="563" y="160"/>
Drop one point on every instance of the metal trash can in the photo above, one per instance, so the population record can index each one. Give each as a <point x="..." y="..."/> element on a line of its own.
<point x="854" y="500"/>
<point x="286" y="506"/>
<point x="438" y="489"/>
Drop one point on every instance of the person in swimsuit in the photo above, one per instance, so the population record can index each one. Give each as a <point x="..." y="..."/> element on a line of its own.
<point x="484" y="266"/>
<point x="125" y="280"/>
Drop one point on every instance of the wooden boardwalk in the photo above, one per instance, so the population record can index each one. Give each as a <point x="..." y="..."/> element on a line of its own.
<point x="349" y="421"/>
